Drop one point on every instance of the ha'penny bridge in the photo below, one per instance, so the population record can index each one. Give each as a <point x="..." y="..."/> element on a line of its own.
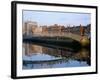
<point x="59" y="35"/>
<point x="60" y="38"/>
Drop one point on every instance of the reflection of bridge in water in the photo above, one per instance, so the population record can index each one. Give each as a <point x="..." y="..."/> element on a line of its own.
<point x="64" y="54"/>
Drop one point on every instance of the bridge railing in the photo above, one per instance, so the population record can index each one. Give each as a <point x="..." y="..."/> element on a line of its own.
<point x="63" y="34"/>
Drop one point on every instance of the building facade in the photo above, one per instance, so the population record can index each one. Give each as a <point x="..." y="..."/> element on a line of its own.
<point x="29" y="28"/>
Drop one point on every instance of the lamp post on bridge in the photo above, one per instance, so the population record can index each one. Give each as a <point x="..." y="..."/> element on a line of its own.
<point x="82" y="30"/>
<point x="84" y="39"/>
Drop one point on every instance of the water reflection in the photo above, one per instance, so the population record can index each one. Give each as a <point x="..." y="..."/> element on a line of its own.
<point x="37" y="56"/>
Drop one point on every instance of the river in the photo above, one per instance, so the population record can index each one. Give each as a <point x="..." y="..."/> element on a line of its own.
<point x="41" y="56"/>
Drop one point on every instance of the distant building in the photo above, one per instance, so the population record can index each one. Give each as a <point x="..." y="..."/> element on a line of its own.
<point x="44" y="29"/>
<point x="29" y="27"/>
<point x="53" y="29"/>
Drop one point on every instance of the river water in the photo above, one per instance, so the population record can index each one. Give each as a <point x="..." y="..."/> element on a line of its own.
<point x="41" y="56"/>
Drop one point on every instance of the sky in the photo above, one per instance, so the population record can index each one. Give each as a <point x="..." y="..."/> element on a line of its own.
<point x="61" y="18"/>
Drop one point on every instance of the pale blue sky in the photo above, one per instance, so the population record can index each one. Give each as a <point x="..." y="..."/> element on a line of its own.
<point x="61" y="18"/>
